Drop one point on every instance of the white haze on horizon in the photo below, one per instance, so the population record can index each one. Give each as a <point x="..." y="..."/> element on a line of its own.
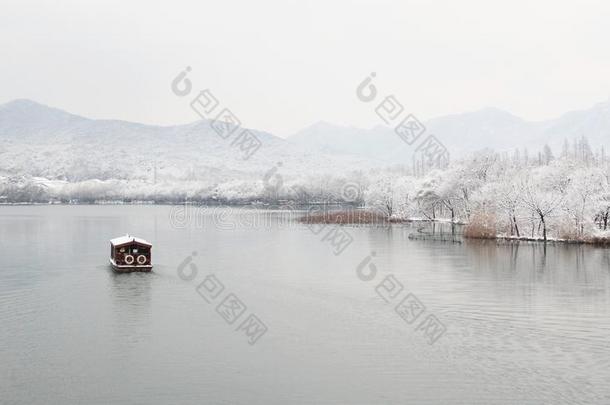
<point x="283" y="65"/>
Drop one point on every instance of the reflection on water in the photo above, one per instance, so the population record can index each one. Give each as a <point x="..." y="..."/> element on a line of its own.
<point x="526" y="322"/>
<point x="438" y="232"/>
<point x="131" y="305"/>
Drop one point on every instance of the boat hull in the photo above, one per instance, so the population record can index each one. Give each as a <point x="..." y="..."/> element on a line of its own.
<point x="118" y="268"/>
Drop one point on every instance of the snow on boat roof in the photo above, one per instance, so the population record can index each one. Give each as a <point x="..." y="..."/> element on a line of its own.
<point x="123" y="240"/>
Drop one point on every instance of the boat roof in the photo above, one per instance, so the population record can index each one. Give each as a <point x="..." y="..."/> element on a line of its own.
<point x="124" y="240"/>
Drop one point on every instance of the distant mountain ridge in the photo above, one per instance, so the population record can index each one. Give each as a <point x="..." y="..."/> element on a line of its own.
<point x="464" y="133"/>
<point x="37" y="140"/>
<point x="41" y="141"/>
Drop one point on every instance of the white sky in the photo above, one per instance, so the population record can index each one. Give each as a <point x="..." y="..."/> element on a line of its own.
<point x="281" y="65"/>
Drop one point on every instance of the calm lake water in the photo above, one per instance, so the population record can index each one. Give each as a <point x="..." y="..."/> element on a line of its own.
<point x="524" y="324"/>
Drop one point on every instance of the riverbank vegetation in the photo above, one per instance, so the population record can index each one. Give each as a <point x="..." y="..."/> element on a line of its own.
<point x="512" y="195"/>
<point x="501" y="195"/>
<point x="344" y="217"/>
<point x="506" y="195"/>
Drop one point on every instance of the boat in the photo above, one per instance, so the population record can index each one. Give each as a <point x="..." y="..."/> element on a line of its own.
<point x="128" y="254"/>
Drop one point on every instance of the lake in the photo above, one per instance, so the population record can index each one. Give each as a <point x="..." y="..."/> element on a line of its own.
<point x="271" y="311"/>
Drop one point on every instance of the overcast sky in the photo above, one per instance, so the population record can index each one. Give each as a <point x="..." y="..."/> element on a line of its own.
<point x="281" y="65"/>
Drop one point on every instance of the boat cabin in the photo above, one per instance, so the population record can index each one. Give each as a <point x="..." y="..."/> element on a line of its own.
<point x="128" y="253"/>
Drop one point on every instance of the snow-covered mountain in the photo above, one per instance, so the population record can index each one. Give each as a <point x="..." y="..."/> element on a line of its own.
<point x="463" y="133"/>
<point x="593" y="123"/>
<point x="41" y="141"/>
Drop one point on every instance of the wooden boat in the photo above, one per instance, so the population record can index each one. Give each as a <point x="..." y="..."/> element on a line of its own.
<point x="128" y="253"/>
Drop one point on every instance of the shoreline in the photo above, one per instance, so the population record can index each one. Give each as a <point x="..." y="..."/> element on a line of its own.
<point x="352" y="216"/>
<point x="371" y="218"/>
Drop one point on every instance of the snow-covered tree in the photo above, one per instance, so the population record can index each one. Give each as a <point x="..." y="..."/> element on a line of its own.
<point x="380" y="196"/>
<point x="541" y="195"/>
